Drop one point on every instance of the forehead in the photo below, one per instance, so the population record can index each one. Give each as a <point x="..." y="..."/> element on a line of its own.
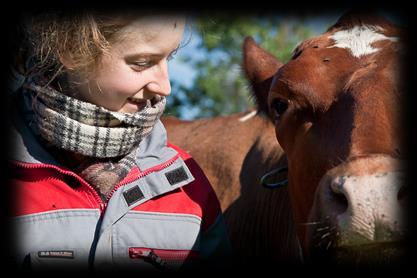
<point x="321" y="65"/>
<point x="163" y="31"/>
<point x="358" y="40"/>
<point x="150" y="26"/>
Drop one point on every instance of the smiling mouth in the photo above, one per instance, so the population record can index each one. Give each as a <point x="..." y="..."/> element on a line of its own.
<point x="141" y="103"/>
<point x="144" y="102"/>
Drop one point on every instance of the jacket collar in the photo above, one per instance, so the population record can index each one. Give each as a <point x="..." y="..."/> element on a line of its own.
<point x="152" y="151"/>
<point x="26" y="147"/>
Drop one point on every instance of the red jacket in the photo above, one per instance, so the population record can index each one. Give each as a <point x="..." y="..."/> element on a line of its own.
<point x="164" y="213"/>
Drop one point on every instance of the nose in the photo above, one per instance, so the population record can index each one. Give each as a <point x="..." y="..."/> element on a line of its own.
<point x="365" y="206"/>
<point x="159" y="83"/>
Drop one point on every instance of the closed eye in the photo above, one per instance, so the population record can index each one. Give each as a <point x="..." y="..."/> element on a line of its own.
<point x="144" y="64"/>
<point x="141" y="65"/>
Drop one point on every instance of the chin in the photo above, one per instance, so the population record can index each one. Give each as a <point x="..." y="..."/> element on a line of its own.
<point x="130" y="109"/>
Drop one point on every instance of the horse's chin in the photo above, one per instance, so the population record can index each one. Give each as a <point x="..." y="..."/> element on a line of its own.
<point x="382" y="255"/>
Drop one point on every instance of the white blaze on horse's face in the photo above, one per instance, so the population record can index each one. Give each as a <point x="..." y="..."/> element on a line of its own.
<point x="359" y="39"/>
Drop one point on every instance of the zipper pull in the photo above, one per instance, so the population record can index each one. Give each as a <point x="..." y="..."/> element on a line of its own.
<point x="102" y="207"/>
<point x="157" y="261"/>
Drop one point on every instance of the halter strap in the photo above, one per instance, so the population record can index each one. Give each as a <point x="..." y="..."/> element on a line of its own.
<point x="267" y="182"/>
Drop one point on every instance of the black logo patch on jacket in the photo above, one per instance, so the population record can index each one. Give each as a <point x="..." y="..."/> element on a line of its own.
<point x="177" y="175"/>
<point x="133" y="195"/>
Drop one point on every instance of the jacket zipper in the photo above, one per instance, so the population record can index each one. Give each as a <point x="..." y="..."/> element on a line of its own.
<point x="102" y="205"/>
<point x="163" y="259"/>
<point x="164" y="254"/>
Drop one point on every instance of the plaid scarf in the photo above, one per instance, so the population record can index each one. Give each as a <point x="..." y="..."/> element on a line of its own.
<point x="87" y="129"/>
<point x="98" y="144"/>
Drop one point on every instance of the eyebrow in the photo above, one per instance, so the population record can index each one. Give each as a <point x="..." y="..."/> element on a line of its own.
<point x="149" y="54"/>
<point x="143" y="55"/>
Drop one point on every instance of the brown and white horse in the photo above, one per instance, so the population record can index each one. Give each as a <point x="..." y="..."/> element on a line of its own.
<point x="335" y="108"/>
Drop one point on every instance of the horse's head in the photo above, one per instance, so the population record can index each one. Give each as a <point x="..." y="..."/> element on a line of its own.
<point x="335" y="105"/>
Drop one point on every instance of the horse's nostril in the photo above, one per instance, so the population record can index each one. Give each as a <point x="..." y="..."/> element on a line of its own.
<point x="402" y="195"/>
<point x="339" y="201"/>
<point x="364" y="208"/>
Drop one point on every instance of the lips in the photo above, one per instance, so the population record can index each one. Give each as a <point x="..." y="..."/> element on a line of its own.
<point x="141" y="103"/>
<point x="137" y="100"/>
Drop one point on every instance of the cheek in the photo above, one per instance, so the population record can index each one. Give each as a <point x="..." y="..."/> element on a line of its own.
<point x="302" y="164"/>
<point x="112" y="89"/>
<point x="121" y="83"/>
<point x="120" y="88"/>
<point x="285" y="131"/>
<point x="117" y="80"/>
<point x="283" y="134"/>
<point x="299" y="189"/>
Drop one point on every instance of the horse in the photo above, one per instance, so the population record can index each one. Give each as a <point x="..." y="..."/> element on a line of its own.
<point x="336" y="113"/>
<point x="234" y="163"/>
<point x="330" y="117"/>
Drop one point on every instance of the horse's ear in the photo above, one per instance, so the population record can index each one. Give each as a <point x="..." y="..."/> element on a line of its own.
<point x="259" y="66"/>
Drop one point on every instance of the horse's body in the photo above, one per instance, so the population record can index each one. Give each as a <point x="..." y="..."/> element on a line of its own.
<point x="258" y="219"/>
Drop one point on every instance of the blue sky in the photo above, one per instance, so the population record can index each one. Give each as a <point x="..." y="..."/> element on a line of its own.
<point x="183" y="73"/>
<point x="180" y="71"/>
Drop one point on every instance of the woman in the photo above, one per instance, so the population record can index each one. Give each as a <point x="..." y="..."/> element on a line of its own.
<point x="95" y="182"/>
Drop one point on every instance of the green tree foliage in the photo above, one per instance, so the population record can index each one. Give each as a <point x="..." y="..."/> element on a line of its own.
<point x="220" y="87"/>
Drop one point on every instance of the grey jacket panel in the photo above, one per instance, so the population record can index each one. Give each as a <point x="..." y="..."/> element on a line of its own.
<point x="55" y="236"/>
<point x="153" y="231"/>
<point x="26" y="147"/>
<point x="67" y="237"/>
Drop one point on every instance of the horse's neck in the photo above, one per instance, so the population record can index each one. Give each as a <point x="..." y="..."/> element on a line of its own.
<point x="260" y="219"/>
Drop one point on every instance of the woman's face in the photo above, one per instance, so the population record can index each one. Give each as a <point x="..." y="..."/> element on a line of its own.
<point x="136" y="68"/>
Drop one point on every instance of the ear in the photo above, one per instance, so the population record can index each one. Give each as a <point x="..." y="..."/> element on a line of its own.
<point x="260" y="66"/>
<point x="67" y="61"/>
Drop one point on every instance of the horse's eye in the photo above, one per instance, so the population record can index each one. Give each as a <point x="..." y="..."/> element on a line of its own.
<point x="278" y="107"/>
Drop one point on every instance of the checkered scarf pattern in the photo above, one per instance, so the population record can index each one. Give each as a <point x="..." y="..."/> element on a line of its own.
<point x="87" y="129"/>
<point x="103" y="142"/>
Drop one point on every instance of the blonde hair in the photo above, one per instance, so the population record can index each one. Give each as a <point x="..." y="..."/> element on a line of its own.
<point x="80" y="38"/>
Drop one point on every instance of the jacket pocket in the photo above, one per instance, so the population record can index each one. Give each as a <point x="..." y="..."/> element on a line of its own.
<point x="164" y="259"/>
